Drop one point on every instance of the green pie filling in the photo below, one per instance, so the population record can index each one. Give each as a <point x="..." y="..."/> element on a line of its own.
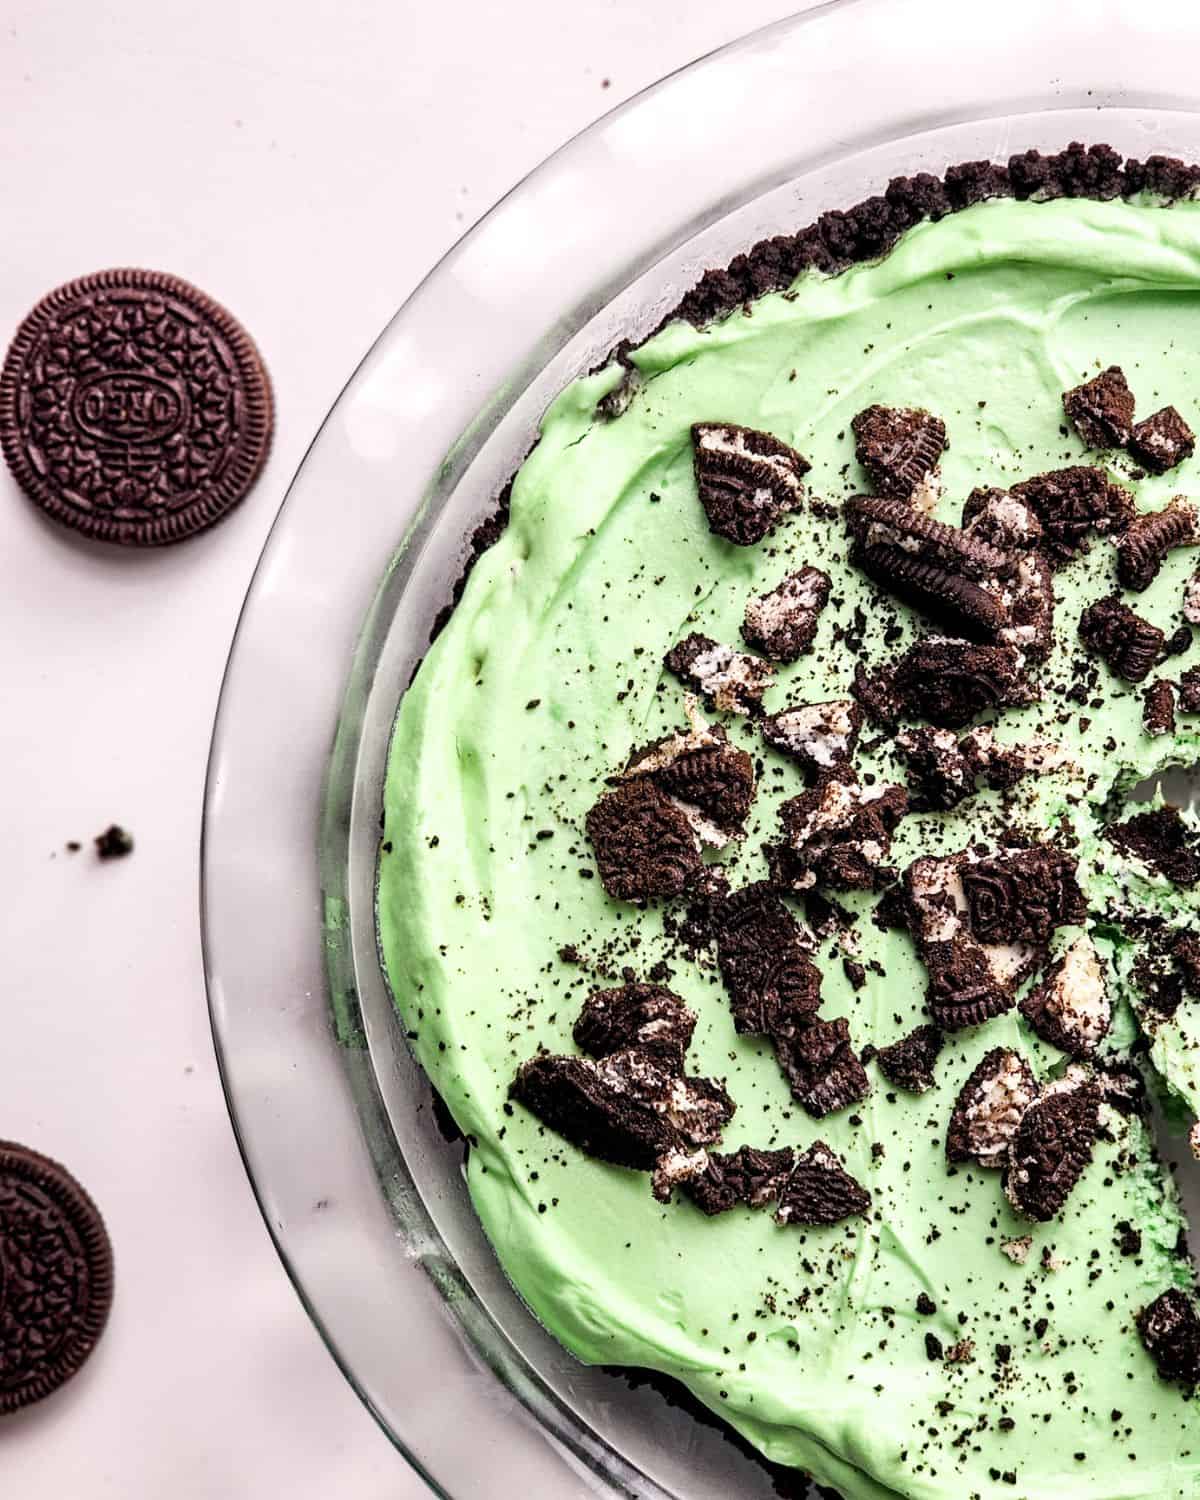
<point x="808" y="1341"/>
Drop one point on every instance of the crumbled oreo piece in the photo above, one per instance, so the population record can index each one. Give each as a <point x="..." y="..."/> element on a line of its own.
<point x="731" y="680"/>
<point x="874" y="690"/>
<point x="820" y="1191"/>
<point x="1162" y="441"/>
<point x="719" y="783"/>
<point x="1070" y="1008"/>
<point x="821" y="1066"/>
<point x="945" y="597"/>
<point x="1148" y="539"/>
<point x="1158" y="708"/>
<point x="909" y="1062"/>
<point x="837" y="835"/>
<point x="1021" y="896"/>
<point x="821" y="736"/>
<point x="1000" y="519"/>
<point x="1161" y="839"/>
<point x="989" y="1109"/>
<point x="1189" y="691"/>
<point x="1191" y="600"/>
<point x="1052" y="1147"/>
<point x="625" y="1108"/>
<point x="1170" y="1330"/>
<point x="645" y="846"/>
<point x="783" y="623"/>
<point x="964" y="988"/>
<point x="747" y="480"/>
<point x="1072" y="502"/>
<point x="114" y="843"/>
<point x="940" y="773"/>
<point x="746" y="1177"/>
<point x="899" y="447"/>
<point x="877" y="521"/>
<point x="1185" y="954"/>
<point x="771" y="983"/>
<point x="1101" y="410"/>
<point x="711" y="780"/>
<point x="647" y="1017"/>
<point x="950" y="682"/>
<point x="1130" y="646"/>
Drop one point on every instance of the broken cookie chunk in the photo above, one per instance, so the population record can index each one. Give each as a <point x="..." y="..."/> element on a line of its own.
<point x="761" y="952"/>
<point x="645" y="846"/>
<point x="822" y="1068"/>
<point x="1070" y="1007"/>
<point x="647" y="1017"/>
<point x="1162" y="441"/>
<point x="899" y="447"/>
<point x="746" y="1177"/>
<point x="1130" y="646"/>
<point x="1158" y="708"/>
<point x="1051" y="1148"/>
<point x="1170" y="1330"/>
<point x="783" y="623"/>
<point x="949" y="682"/>
<point x="837" y="835"/>
<point x="1000" y="519"/>
<point x="731" y="680"/>
<point x="1072" y="502"/>
<point x="989" y="1108"/>
<point x="625" y="1108"/>
<point x="1147" y="540"/>
<point x="747" y="480"/>
<point x="711" y="780"/>
<point x="820" y="1190"/>
<point x="821" y="736"/>
<point x="1101" y="410"/>
<point x="909" y="1062"/>
<point x="1021" y="896"/>
<point x="1161" y="839"/>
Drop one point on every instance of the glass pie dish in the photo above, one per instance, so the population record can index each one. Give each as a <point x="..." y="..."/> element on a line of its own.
<point x="360" y="1187"/>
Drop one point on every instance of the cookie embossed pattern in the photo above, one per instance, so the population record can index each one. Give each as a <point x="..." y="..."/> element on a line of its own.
<point x="134" y="408"/>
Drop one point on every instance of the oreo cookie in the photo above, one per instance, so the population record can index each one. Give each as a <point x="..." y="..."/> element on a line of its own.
<point x="837" y="835"/>
<point x="821" y="1066"/>
<point x="762" y="954"/>
<point x="1021" y="896"/>
<point x="950" y="682"/>
<point x="729" y="680"/>
<point x="899" y="447"/>
<point x="747" y="480"/>
<point x="1162" y="441"/>
<point x="1051" y="1149"/>
<point x="134" y="408"/>
<point x="711" y="780"/>
<point x="1147" y="540"/>
<point x="1070" y="1006"/>
<point x="1070" y="504"/>
<point x="821" y="736"/>
<point x="745" y="1178"/>
<point x="819" y="1190"/>
<point x="1130" y="646"/>
<point x="909" y="1063"/>
<point x="56" y="1276"/>
<point x="647" y="1017"/>
<point x="1000" y="519"/>
<point x="625" y="1108"/>
<point x="1101" y="410"/>
<point x="1158" y="708"/>
<point x="1170" y="1331"/>
<point x="644" y="843"/>
<point x="1162" y="840"/>
<point x="989" y="1109"/>
<point x="783" y="623"/>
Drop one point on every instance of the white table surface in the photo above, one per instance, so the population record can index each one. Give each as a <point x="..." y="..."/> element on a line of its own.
<point x="305" y="161"/>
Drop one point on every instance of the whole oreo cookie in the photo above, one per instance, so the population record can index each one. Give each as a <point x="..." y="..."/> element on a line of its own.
<point x="56" y="1276"/>
<point x="134" y="408"/>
